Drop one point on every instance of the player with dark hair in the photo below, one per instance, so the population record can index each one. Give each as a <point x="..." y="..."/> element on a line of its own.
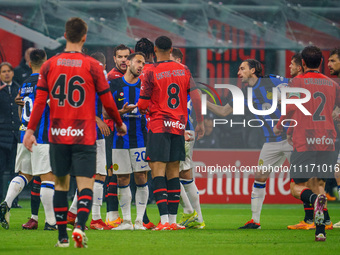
<point x="190" y="199"/>
<point x="334" y="69"/>
<point x="71" y="80"/>
<point x="36" y="163"/>
<point x="276" y="149"/>
<point x="314" y="135"/>
<point x="120" y="54"/>
<point x="164" y="95"/>
<point x="128" y="152"/>
<point x="145" y="46"/>
<point x="98" y="187"/>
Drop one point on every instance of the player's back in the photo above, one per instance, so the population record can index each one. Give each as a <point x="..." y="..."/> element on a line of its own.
<point x="71" y="78"/>
<point x="315" y="132"/>
<point x="168" y="106"/>
<point x="28" y="92"/>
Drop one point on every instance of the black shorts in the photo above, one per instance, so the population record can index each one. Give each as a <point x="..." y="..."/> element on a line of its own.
<point x="308" y="164"/>
<point x="164" y="147"/>
<point x="108" y="149"/>
<point x="76" y="160"/>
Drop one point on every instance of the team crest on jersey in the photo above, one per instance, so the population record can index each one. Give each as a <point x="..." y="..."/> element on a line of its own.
<point x="121" y="94"/>
<point x="115" y="167"/>
<point x="269" y="95"/>
<point x="260" y="162"/>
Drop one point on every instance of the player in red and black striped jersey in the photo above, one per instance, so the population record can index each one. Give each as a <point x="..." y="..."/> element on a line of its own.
<point x="314" y="135"/>
<point x="72" y="79"/>
<point x="164" y="94"/>
<point x="120" y="54"/>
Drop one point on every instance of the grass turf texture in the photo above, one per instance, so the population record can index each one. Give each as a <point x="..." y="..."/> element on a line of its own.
<point x="220" y="236"/>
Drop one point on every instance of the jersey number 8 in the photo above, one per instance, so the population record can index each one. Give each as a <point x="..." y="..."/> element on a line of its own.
<point x="173" y="99"/>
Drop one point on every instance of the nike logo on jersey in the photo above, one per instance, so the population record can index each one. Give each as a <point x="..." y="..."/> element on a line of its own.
<point x="121" y="99"/>
<point x="122" y="205"/>
<point x="143" y="166"/>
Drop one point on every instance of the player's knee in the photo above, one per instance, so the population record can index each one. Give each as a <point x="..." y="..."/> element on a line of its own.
<point x="140" y="178"/>
<point x="123" y="179"/>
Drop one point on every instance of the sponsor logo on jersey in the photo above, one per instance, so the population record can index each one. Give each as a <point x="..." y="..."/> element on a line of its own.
<point x="177" y="124"/>
<point x="67" y="131"/>
<point x="319" y="140"/>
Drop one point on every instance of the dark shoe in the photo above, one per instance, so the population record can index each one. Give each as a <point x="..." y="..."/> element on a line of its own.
<point x="16" y="205"/>
<point x="251" y="225"/>
<point x="4" y="215"/>
<point x="50" y="227"/>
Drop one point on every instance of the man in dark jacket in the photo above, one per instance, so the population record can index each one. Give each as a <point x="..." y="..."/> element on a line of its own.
<point x="23" y="71"/>
<point x="9" y="121"/>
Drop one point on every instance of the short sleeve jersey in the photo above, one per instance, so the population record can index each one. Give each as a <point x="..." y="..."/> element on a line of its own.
<point x="316" y="132"/>
<point x="28" y="92"/>
<point x="124" y="92"/>
<point x="72" y="80"/>
<point x="167" y="84"/>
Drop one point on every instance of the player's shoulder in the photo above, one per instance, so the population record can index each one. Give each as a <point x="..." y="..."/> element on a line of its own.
<point x="116" y="84"/>
<point x="276" y="79"/>
<point x="33" y="79"/>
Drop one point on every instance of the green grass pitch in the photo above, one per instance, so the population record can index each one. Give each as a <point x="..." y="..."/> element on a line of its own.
<point x="220" y="236"/>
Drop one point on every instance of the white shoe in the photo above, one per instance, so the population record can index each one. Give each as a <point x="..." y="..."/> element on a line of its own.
<point x="139" y="225"/>
<point x="64" y="243"/>
<point x="336" y="225"/>
<point x="80" y="238"/>
<point x="125" y="225"/>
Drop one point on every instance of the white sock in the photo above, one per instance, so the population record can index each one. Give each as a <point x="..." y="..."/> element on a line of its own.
<point x="124" y="198"/>
<point x="172" y="218"/>
<point x="46" y="198"/>
<point x="15" y="187"/>
<point x="113" y="215"/>
<point x="142" y="195"/>
<point x="164" y="218"/>
<point x="194" y="198"/>
<point x="34" y="217"/>
<point x="184" y="201"/>
<point x="257" y="198"/>
<point x="73" y="208"/>
<point x="97" y="199"/>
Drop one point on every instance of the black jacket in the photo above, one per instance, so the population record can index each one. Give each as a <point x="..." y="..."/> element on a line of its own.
<point x="22" y="72"/>
<point x="9" y="116"/>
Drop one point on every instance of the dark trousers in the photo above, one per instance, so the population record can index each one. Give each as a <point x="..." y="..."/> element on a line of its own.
<point x="7" y="164"/>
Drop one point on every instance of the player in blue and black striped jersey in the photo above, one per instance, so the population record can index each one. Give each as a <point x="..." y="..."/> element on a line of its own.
<point x="276" y="149"/>
<point x="36" y="163"/>
<point x="128" y="152"/>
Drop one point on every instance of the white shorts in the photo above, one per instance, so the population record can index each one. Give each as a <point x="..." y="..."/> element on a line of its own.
<point x="126" y="161"/>
<point x="275" y="153"/>
<point x="189" y="150"/>
<point x="101" y="157"/>
<point x="33" y="163"/>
